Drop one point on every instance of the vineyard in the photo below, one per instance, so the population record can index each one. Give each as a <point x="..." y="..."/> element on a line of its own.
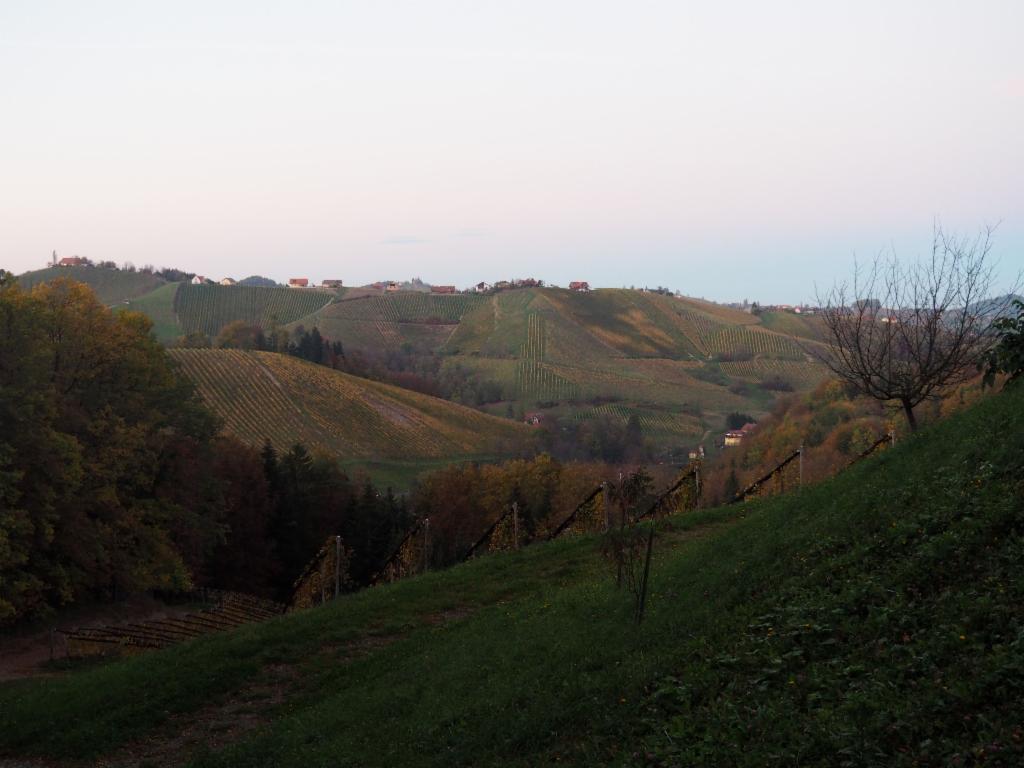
<point x="208" y="308"/>
<point x="673" y="354"/>
<point x="407" y="308"/>
<point x="804" y="374"/>
<point x="651" y="421"/>
<point x="537" y="381"/>
<point x="535" y="346"/>
<point x="753" y="341"/>
<point x="263" y="395"/>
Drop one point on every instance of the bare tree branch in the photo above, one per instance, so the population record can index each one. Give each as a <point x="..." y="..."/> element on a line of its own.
<point x="908" y="333"/>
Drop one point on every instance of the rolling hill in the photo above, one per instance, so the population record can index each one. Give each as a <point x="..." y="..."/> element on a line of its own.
<point x="266" y="396"/>
<point x="872" y="620"/>
<point x="679" y="364"/>
<point x="208" y="308"/>
<point x="112" y="286"/>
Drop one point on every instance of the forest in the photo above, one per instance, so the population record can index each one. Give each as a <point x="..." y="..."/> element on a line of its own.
<point x="114" y="478"/>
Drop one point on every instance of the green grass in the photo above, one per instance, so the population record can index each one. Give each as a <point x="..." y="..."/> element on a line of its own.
<point x="158" y="305"/>
<point x="874" y="619"/>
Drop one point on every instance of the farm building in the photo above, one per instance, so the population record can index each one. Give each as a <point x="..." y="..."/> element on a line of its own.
<point x="482" y="287"/>
<point x="579" y="285"/>
<point x="199" y="280"/>
<point x="71" y="261"/>
<point x="442" y="289"/>
<point x="392" y="287"/>
<point x="227" y="281"/>
<point x="298" y="282"/>
<point x="737" y="436"/>
<point x="331" y="284"/>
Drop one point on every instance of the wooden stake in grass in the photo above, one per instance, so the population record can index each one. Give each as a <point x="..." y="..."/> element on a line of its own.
<point x="642" y="598"/>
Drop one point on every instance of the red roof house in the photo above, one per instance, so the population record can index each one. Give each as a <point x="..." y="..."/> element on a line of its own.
<point x="442" y="289"/>
<point x="579" y="285"/>
<point x="298" y="282"/>
<point x="71" y="261"/>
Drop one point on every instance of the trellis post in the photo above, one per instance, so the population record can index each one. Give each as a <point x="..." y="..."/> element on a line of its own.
<point x="337" y="566"/>
<point x="426" y="543"/>
<point x="607" y="501"/>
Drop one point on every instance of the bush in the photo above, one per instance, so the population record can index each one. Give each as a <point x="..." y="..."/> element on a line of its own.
<point x="1007" y="357"/>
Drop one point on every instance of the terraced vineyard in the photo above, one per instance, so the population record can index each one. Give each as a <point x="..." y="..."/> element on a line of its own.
<point x="263" y="395"/>
<point x="208" y="308"/>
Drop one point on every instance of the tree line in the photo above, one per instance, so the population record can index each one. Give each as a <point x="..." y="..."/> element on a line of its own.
<point x="114" y="478"/>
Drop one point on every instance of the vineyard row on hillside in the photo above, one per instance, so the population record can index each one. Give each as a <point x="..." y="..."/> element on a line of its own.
<point x="208" y="308"/>
<point x="408" y="308"/>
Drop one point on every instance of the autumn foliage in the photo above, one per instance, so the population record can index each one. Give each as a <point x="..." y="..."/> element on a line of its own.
<point x="113" y="479"/>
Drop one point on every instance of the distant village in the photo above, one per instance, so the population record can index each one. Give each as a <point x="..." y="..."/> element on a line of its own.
<point x="417" y="285"/>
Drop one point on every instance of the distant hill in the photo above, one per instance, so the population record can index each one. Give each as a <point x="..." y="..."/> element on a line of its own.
<point x="258" y="281"/>
<point x="264" y="395"/>
<point x="678" y="364"/>
<point x="998" y="306"/>
<point x="208" y="308"/>
<point x="112" y="286"/>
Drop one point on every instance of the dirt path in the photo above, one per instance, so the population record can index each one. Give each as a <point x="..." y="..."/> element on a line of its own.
<point x="223" y="723"/>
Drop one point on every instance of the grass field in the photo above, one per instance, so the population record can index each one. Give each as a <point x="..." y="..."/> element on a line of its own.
<point x="158" y="305"/>
<point x="264" y="395"/>
<point x="872" y="620"/>
<point x="112" y="286"/>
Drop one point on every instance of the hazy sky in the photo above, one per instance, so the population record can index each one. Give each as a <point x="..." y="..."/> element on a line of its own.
<point x="727" y="149"/>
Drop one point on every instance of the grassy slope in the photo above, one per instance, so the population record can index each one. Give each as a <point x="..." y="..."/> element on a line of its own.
<point x="264" y="395"/>
<point x="112" y="286"/>
<point x="872" y="620"/>
<point x="158" y="305"/>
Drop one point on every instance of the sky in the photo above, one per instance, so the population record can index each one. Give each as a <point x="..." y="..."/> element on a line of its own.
<point x="729" y="150"/>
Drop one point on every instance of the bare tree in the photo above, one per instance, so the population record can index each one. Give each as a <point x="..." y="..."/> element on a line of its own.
<point x="908" y="333"/>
